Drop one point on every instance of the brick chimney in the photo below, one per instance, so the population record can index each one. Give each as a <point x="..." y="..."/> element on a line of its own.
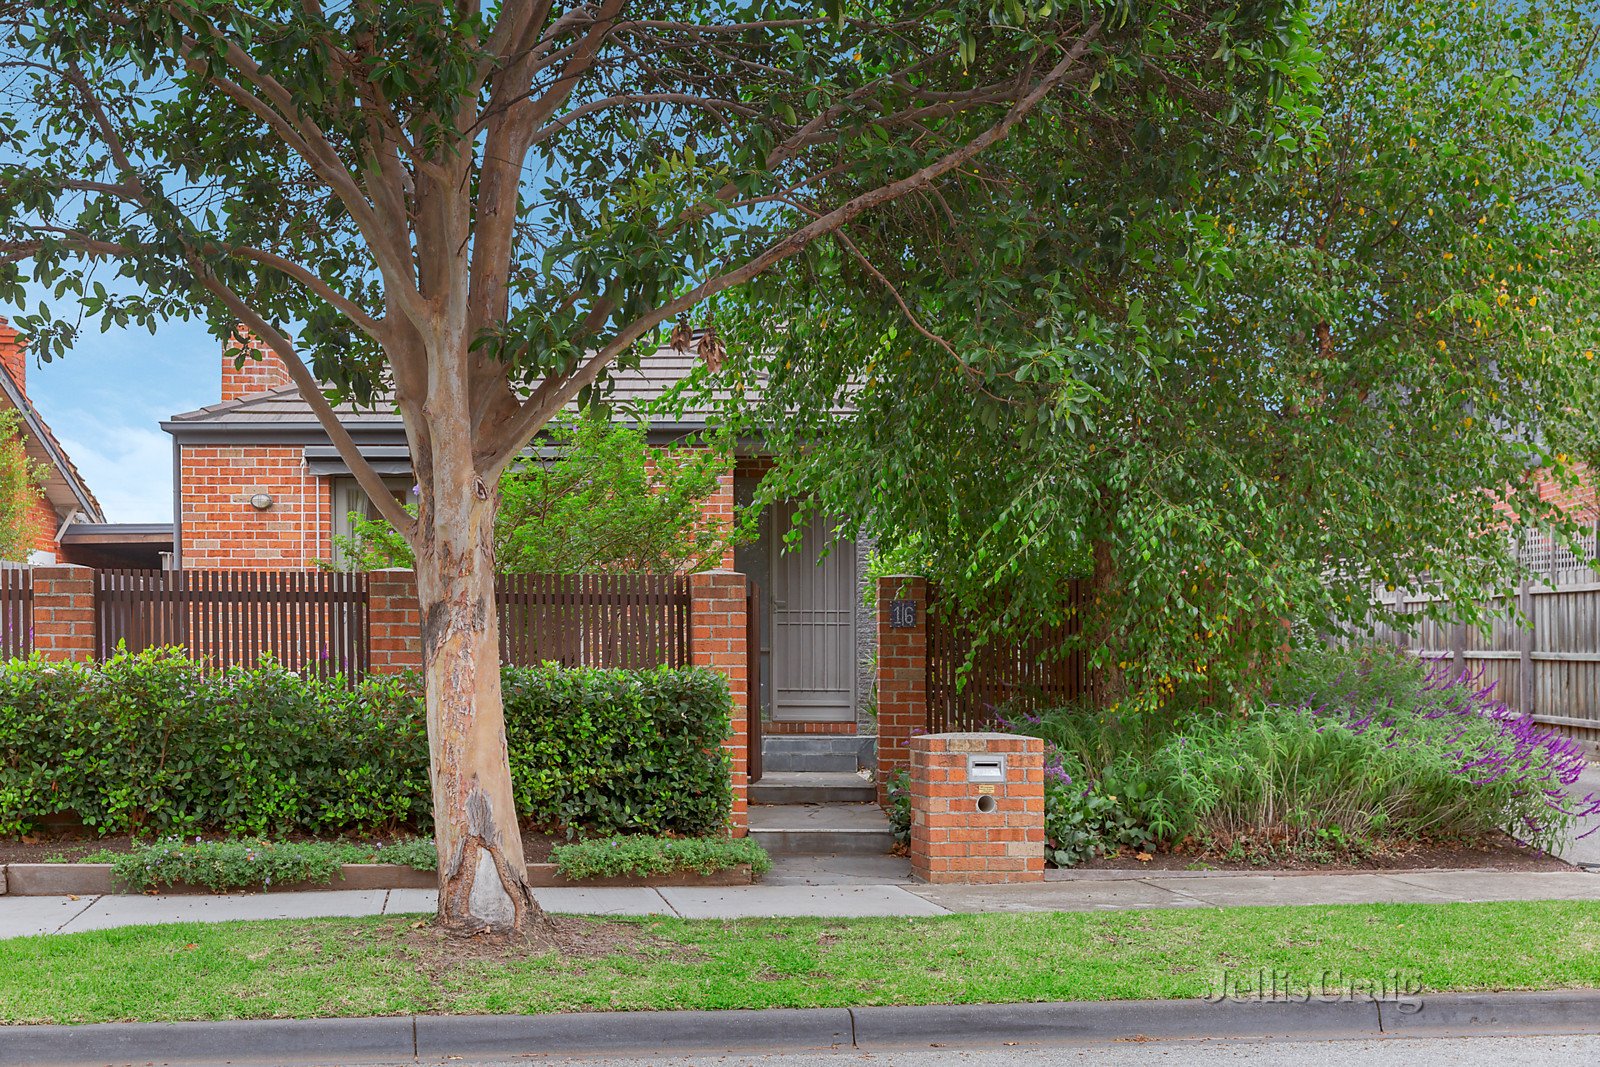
<point x="261" y="372"/>
<point x="14" y="356"/>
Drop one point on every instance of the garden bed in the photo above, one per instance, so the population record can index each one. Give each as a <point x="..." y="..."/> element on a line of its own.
<point x="94" y="879"/>
<point x="1502" y="854"/>
<point x="201" y="865"/>
<point x="74" y="844"/>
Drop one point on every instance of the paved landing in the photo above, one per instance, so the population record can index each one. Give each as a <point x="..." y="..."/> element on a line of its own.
<point x="791" y="895"/>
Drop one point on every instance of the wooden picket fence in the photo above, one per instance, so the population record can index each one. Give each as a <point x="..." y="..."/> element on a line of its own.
<point x="318" y="622"/>
<point x="309" y="621"/>
<point x="594" y="620"/>
<point x="1023" y="674"/>
<point x="16" y="612"/>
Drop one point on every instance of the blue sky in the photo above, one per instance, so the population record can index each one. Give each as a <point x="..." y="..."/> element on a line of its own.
<point x="106" y="400"/>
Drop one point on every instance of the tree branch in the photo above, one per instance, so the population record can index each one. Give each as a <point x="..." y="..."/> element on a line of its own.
<point x="543" y="404"/>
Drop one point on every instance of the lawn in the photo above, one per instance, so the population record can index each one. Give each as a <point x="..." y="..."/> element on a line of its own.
<point x="373" y="966"/>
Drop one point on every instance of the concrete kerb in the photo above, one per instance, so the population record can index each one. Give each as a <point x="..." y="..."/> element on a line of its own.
<point x="867" y="1029"/>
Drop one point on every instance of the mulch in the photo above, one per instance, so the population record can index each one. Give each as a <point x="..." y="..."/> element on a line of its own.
<point x="70" y="844"/>
<point x="1501" y="853"/>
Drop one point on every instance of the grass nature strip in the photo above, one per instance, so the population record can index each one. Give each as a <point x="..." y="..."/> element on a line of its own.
<point x="357" y="967"/>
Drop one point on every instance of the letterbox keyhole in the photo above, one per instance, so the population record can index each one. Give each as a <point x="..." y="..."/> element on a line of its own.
<point x="986" y="805"/>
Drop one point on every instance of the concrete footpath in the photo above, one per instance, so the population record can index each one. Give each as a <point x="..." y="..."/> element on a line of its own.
<point x="862" y="1031"/>
<point x="796" y="887"/>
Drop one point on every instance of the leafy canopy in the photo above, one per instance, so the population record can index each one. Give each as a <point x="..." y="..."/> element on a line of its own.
<point x="1230" y="389"/>
<point x="21" y="481"/>
<point x="603" y="501"/>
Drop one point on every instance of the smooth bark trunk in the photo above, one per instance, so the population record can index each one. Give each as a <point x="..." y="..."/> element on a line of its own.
<point x="482" y="874"/>
<point x="1110" y="683"/>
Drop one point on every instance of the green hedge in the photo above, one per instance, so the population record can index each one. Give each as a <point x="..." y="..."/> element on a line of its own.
<point x="148" y="742"/>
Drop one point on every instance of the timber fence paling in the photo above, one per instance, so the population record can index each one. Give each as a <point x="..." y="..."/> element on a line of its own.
<point x="605" y="620"/>
<point x="16" y="611"/>
<point x="1027" y="673"/>
<point x="1550" y="668"/>
<point x="305" y="620"/>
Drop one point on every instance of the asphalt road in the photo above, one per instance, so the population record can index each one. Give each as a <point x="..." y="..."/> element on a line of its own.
<point x="1398" y="1052"/>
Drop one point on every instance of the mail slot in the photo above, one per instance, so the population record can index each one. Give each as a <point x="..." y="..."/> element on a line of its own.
<point x="986" y="768"/>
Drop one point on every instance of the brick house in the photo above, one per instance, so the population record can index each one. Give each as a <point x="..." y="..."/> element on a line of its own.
<point x="66" y="507"/>
<point x="258" y="485"/>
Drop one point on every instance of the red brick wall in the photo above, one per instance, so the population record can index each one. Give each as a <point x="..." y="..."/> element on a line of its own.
<point x="45" y="524"/>
<point x="13" y="356"/>
<point x="256" y="375"/>
<point x="794" y="726"/>
<point x="902" y="677"/>
<point x="952" y="838"/>
<point x="717" y="640"/>
<point x="63" y="612"/>
<point x="394" y="618"/>
<point x="222" y="529"/>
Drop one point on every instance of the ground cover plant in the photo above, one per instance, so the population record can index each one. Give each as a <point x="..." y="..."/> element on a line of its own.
<point x="152" y="743"/>
<point x="621" y="857"/>
<point x="385" y="965"/>
<point x="1355" y="751"/>
<point x="258" y="864"/>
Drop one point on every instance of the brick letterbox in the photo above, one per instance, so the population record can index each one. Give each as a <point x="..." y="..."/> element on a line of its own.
<point x="977" y="808"/>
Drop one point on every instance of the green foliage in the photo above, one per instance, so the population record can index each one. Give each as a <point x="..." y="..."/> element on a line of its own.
<point x="20" y="490"/>
<point x="899" y="807"/>
<point x="605" y="502"/>
<point x="222" y="865"/>
<point x="1357" y="751"/>
<point x="150" y="742"/>
<point x="619" y="857"/>
<point x="620" y="751"/>
<point x="1229" y="389"/>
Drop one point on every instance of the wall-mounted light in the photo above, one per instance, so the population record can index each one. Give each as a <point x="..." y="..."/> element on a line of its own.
<point x="261" y="501"/>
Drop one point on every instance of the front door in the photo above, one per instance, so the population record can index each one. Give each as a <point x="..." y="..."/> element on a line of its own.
<point x="813" y="622"/>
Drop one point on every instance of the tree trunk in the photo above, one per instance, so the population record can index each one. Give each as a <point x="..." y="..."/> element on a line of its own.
<point x="1109" y="684"/>
<point x="482" y="875"/>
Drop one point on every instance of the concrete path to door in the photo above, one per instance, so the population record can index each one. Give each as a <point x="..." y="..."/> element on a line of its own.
<point x="880" y="892"/>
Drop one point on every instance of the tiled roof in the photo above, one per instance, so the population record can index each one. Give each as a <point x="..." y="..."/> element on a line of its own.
<point x="282" y="407"/>
<point x="64" y="485"/>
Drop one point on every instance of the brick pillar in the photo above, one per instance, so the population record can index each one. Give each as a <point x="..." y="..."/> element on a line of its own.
<point x="394" y="622"/>
<point x="902" y="679"/>
<point x="63" y="612"/>
<point x="717" y="640"/>
<point x="968" y="827"/>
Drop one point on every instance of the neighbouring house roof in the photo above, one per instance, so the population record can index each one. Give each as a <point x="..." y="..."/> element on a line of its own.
<point x="118" y="533"/>
<point x="64" y="488"/>
<point x="282" y="414"/>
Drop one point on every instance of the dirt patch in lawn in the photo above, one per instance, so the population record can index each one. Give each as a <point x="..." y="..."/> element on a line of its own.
<point x="436" y="954"/>
<point x="1499" y="853"/>
<point x="70" y="844"/>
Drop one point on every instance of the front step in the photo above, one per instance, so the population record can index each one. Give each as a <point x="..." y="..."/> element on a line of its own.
<point x="812" y="787"/>
<point x="830" y="753"/>
<point x="809" y="829"/>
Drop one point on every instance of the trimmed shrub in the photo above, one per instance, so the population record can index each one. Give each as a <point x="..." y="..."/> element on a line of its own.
<point x="618" y="857"/>
<point x="255" y="864"/>
<point x="149" y="742"/>
<point x="636" y="751"/>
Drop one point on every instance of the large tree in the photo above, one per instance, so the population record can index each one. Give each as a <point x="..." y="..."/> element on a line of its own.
<point x="1230" y="395"/>
<point x="483" y="207"/>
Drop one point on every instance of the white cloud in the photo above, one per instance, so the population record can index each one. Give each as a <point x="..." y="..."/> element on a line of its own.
<point x="128" y="468"/>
